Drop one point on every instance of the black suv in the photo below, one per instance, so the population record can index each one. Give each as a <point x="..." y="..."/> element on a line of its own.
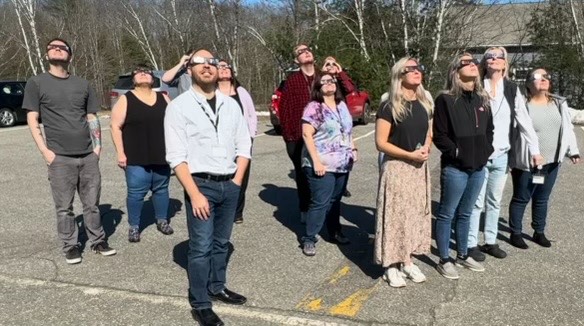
<point x="11" y="96"/>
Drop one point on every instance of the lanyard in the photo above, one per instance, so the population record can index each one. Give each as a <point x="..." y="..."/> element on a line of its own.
<point x="214" y="123"/>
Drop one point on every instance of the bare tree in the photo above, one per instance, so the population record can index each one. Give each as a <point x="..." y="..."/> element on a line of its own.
<point x="577" y="27"/>
<point x="134" y="25"/>
<point x="359" y="35"/>
<point x="26" y="10"/>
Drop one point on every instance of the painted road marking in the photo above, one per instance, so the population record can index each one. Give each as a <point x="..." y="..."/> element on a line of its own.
<point x="366" y="135"/>
<point x="267" y="315"/>
<point x="342" y="294"/>
<point x="339" y="274"/>
<point x="352" y="304"/>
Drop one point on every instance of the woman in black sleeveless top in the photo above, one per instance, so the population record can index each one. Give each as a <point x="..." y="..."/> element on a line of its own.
<point x="137" y="128"/>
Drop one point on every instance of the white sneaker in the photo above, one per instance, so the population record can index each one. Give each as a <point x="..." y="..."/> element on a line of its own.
<point x="394" y="277"/>
<point x="414" y="273"/>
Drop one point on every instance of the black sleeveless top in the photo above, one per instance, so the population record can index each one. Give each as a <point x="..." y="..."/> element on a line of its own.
<point x="143" y="131"/>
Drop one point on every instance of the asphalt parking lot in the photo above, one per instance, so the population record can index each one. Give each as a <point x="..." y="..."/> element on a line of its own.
<point x="146" y="284"/>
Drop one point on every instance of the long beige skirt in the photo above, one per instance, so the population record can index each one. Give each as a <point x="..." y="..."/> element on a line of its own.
<point x="403" y="216"/>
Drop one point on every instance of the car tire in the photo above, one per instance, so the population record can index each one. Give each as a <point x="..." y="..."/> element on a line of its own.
<point x="364" y="120"/>
<point x="7" y="118"/>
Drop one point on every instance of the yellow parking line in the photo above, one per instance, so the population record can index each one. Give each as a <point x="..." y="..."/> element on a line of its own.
<point x="310" y="303"/>
<point x="352" y="304"/>
<point x="339" y="274"/>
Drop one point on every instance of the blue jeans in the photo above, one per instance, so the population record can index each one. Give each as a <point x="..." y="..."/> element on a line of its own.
<point x="209" y="240"/>
<point x="459" y="192"/>
<point x="490" y="196"/>
<point x="141" y="179"/>
<point x="525" y="190"/>
<point x="325" y="204"/>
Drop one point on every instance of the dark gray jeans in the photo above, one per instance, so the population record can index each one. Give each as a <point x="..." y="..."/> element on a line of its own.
<point x="67" y="175"/>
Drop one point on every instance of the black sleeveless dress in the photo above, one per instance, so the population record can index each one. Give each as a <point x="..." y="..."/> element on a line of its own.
<point x="143" y="131"/>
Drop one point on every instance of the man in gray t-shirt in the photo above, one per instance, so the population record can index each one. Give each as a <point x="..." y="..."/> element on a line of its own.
<point x="178" y="76"/>
<point x="68" y="107"/>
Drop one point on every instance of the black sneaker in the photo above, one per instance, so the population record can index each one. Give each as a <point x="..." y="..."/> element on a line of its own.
<point x="103" y="248"/>
<point x="238" y="219"/>
<point x="494" y="251"/>
<point x="73" y="256"/>
<point x="541" y="240"/>
<point x="516" y="240"/>
<point x="476" y="254"/>
<point x="347" y="194"/>
<point x="164" y="227"/>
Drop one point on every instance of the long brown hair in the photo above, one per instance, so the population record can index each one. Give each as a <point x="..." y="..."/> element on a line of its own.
<point x="454" y="85"/>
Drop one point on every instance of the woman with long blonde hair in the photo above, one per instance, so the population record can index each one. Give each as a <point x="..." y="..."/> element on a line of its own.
<point x="463" y="132"/>
<point x="509" y="113"/>
<point x="403" y="135"/>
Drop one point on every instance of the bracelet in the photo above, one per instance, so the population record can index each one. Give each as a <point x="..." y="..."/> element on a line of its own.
<point x="355" y="150"/>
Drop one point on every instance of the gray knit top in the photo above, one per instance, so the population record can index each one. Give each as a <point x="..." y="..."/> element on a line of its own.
<point x="547" y="122"/>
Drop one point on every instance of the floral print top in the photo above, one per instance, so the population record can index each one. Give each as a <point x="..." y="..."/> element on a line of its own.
<point x="333" y="137"/>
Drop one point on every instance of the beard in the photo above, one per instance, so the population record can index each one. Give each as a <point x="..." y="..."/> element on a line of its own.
<point x="204" y="83"/>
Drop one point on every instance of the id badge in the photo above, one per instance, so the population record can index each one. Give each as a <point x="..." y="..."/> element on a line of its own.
<point x="538" y="179"/>
<point x="219" y="151"/>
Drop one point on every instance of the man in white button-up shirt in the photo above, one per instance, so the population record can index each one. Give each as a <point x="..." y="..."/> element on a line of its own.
<point x="208" y="146"/>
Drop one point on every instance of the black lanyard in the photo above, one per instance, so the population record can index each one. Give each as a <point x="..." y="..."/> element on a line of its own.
<point x="337" y="116"/>
<point x="214" y="123"/>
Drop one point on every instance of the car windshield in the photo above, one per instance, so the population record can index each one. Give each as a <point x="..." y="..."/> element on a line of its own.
<point x="125" y="82"/>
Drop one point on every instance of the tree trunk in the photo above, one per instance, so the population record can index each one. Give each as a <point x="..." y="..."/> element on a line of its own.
<point x="577" y="26"/>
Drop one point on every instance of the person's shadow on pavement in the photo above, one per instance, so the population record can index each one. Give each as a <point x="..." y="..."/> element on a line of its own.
<point x="147" y="218"/>
<point x="285" y="201"/>
<point x="360" y="250"/>
<point x="110" y="219"/>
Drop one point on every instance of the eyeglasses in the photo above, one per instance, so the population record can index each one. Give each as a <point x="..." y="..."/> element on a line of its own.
<point x="223" y="66"/>
<point x="143" y="71"/>
<point x="200" y="60"/>
<point x="328" y="81"/>
<point x="300" y="52"/>
<point x="542" y="77"/>
<point x="331" y="64"/>
<point x="419" y="68"/>
<point x="57" y="46"/>
<point x="467" y="62"/>
<point x="494" y="56"/>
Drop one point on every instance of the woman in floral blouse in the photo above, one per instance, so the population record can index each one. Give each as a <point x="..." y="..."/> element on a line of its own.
<point x="327" y="158"/>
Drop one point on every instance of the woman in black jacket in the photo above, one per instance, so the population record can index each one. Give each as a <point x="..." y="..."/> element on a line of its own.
<point x="463" y="132"/>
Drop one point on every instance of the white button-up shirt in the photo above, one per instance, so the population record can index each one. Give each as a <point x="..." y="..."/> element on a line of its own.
<point x="209" y="142"/>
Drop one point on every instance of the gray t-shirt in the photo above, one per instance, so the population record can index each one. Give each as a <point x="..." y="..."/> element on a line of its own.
<point x="547" y="122"/>
<point x="182" y="81"/>
<point x="63" y="105"/>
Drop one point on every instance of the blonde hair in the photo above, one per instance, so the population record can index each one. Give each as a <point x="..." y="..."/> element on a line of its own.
<point x="398" y="103"/>
<point x="454" y="85"/>
<point x="483" y="64"/>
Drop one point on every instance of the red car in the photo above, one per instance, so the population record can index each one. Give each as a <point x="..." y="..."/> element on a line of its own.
<point x="357" y="102"/>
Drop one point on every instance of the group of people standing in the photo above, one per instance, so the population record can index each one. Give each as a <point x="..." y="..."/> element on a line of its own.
<point x="317" y="129"/>
<point x="484" y="128"/>
<point x="205" y="135"/>
<point x="480" y="123"/>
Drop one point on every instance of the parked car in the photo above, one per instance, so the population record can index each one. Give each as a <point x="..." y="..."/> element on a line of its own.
<point x="11" y="97"/>
<point x="358" y="103"/>
<point x="124" y="84"/>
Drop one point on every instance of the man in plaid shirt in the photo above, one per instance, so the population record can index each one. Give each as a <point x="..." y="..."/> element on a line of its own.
<point x="295" y="96"/>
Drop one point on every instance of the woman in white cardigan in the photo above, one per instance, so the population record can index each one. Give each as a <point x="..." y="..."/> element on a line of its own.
<point x="552" y="122"/>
